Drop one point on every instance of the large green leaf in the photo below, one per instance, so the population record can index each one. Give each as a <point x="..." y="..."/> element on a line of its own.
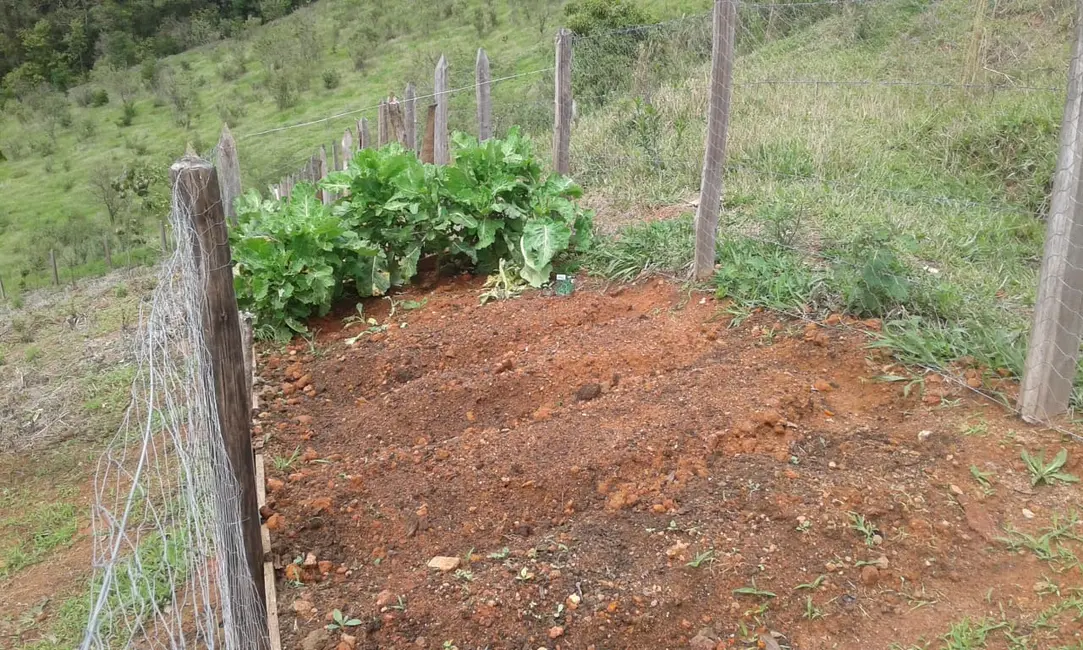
<point x="371" y="276"/>
<point x="542" y="240"/>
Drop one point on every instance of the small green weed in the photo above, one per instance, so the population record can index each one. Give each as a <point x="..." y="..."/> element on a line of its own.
<point x="815" y="584"/>
<point x="704" y="556"/>
<point x="502" y="554"/>
<point x="753" y="591"/>
<point x="1041" y="473"/>
<point x="863" y="527"/>
<point x="983" y="478"/>
<point x="811" y="611"/>
<point x="33" y="353"/>
<point x="283" y="464"/>
<point x="340" y="622"/>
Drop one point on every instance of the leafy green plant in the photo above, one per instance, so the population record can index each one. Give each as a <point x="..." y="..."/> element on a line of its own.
<point x="505" y="284"/>
<point x="292" y="258"/>
<point x="494" y="209"/>
<point x="1040" y="472"/>
<point x="753" y="591"/>
<point x="756" y="274"/>
<point x="340" y="622"/>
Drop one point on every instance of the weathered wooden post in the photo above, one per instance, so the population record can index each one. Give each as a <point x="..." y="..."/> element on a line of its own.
<point x="1053" y="351"/>
<point x="381" y="124"/>
<point x="3" y="293"/>
<point x="410" y="116"/>
<point x="347" y="148"/>
<point x="429" y="145"/>
<point x="108" y="253"/>
<point x="52" y="263"/>
<point x="562" y="124"/>
<point x="714" y="157"/>
<point x="364" y="141"/>
<point x="322" y="162"/>
<point x="483" y="80"/>
<point x="396" y="123"/>
<point x="229" y="171"/>
<point x="441" y="149"/>
<point x="163" y="235"/>
<point x="197" y="196"/>
<point x="335" y="164"/>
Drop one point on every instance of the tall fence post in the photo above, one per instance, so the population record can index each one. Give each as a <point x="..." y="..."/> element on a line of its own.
<point x="229" y="171"/>
<point x="714" y="157"/>
<point x="562" y="124"/>
<point x="363" y="139"/>
<point x="198" y="196"/>
<point x="335" y="164"/>
<point x="3" y="293"/>
<point x="347" y="148"/>
<point x="163" y="235"/>
<point x="429" y="144"/>
<point x="396" y="123"/>
<point x="52" y="263"/>
<point x="325" y="194"/>
<point x="1053" y="351"/>
<point x="409" y="104"/>
<point x="441" y="150"/>
<point x="108" y="253"/>
<point x="483" y="80"/>
<point x="381" y="124"/>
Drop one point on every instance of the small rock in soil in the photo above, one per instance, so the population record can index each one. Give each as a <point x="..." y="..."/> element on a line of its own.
<point x="302" y="606"/>
<point x="274" y="485"/>
<point x="822" y="386"/>
<point x="315" y="640"/>
<point x="349" y="640"/>
<point x="924" y="435"/>
<point x="444" y="563"/>
<point x="503" y="366"/>
<point x="705" y="640"/>
<point x="870" y="575"/>
<point x="556" y="632"/>
<point x="1028" y="513"/>
<point x="310" y="560"/>
<point x="588" y="392"/>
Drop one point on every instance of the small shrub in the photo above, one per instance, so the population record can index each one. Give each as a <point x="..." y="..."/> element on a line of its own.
<point x="870" y="274"/>
<point x="127" y="115"/>
<point x="757" y="274"/>
<point x="82" y="97"/>
<point x="331" y="79"/>
<point x="120" y="291"/>
<point x="99" y="98"/>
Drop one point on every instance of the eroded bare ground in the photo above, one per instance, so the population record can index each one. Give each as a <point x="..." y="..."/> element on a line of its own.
<point x="627" y="468"/>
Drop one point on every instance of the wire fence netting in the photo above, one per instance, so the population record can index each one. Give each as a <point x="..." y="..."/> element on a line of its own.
<point x="166" y="516"/>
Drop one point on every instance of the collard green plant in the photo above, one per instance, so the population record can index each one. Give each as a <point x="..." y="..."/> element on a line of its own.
<point x="296" y="257"/>
<point x="292" y="257"/>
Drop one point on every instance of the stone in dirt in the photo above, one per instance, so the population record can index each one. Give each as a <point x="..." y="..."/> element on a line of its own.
<point x="706" y="639"/>
<point x="444" y="563"/>
<point x="385" y="598"/>
<point x="316" y="639"/>
<point x="980" y="521"/>
<point x="870" y="575"/>
<point x="588" y="392"/>
<point x="349" y="640"/>
<point x="556" y="632"/>
<point x="274" y="485"/>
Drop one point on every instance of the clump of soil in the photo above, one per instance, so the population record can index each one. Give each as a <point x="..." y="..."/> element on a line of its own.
<point x="623" y="469"/>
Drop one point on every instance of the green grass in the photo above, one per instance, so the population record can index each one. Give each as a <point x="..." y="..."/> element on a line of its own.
<point x="36" y="532"/>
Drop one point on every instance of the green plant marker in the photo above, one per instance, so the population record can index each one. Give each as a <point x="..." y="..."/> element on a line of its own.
<point x="565" y="285"/>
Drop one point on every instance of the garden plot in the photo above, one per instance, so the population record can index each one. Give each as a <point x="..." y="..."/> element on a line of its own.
<point x="630" y="467"/>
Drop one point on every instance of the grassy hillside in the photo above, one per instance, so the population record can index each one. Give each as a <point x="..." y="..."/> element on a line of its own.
<point x="299" y="68"/>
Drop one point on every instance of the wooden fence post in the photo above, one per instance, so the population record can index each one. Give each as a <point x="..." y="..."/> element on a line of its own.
<point x="108" y="253"/>
<point x="562" y="124"/>
<point x="335" y="164"/>
<point x="3" y="293"/>
<point x="1053" y="351"/>
<point x="247" y="340"/>
<point x="396" y="123"/>
<point x="197" y="195"/>
<point x="441" y="149"/>
<point x="229" y="171"/>
<point x="714" y="157"/>
<point x="347" y="148"/>
<point x="428" y="146"/>
<point x="52" y="263"/>
<point x="381" y="124"/>
<point x="163" y="235"/>
<point x="363" y="139"/>
<point x="483" y="79"/>
<point x="410" y="116"/>
<point x="322" y="171"/>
